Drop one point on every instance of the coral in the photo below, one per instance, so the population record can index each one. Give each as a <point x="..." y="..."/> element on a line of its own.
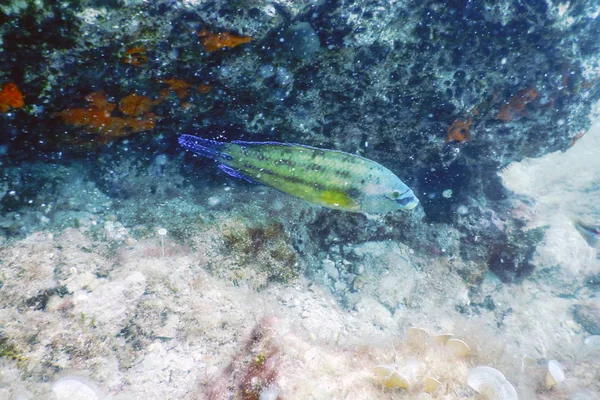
<point x="10" y="97"/>
<point x="216" y="41"/>
<point x="459" y="131"/>
<point x="135" y="56"/>
<point x="515" y="108"/>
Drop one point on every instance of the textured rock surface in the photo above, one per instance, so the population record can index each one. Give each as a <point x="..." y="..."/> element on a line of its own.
<point x="393" y="81"/>
<point x="177" y="326"/>
<point x="588" y="316"/>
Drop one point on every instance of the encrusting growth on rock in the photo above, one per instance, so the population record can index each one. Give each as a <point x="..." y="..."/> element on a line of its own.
<point x="515" y="108"/>
<point x="459" y="131"/>
<point x="97" y="117"/>
<point x="10" y="97"/>
<point x="216" y="41"/>
<point x="135" y="105"/>
<point x="135" y="56"/>
<point x="252" y="371"/>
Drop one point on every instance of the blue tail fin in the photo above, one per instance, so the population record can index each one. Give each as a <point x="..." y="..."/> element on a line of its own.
<point x="204" y="147"/>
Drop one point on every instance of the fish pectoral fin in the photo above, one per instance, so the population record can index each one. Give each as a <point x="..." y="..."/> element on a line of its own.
<point x="235" y="173"/>
<point x="339" y="199"/>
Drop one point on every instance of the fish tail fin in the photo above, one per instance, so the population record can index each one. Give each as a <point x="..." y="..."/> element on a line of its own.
<point x="212" y="149"/>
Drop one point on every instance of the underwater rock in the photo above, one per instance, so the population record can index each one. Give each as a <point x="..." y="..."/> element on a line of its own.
<point x="588" y="316"/>
<point x="388" y="81"/>
<point x="302" y="41"/>
<point x="511" y="258"/>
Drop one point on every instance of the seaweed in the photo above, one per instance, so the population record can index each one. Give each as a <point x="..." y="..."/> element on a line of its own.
<point x="265" y="246"/>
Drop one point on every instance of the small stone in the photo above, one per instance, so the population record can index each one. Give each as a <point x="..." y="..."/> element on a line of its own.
<point x="329" y="267"/>
<point x="339" y="287"/>
<point x="359" y="283"/>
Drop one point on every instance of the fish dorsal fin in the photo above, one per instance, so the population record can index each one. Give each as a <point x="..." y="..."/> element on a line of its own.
<point x="234" y="172"/>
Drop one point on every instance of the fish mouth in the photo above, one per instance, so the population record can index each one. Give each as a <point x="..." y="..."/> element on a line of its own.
<point x="408" y="203"/>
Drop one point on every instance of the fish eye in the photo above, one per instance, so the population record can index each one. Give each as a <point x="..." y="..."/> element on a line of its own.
<point x="395" y="195"/>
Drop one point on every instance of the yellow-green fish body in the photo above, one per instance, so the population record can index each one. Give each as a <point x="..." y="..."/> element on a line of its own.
<point x="329" y="178"/>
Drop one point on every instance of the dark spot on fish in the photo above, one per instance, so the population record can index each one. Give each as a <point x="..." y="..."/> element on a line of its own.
<point x="316" y="153"/>
<point x="286" y="162"/>
<point x="354" y="193"/>
<point x="362" y="181"/>
<point x="260" y="157"/>
<point x="267" y="172"/>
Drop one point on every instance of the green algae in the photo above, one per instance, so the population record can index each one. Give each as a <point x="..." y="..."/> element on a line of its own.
<point x="9" y="350"/>
<point x="266" y="247"/>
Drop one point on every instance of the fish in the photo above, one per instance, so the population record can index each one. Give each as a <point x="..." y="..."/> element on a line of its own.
<point x="591" y="234"/>
<point x="329" y="178"/>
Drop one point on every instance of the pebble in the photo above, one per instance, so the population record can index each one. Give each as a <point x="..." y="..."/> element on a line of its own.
<point x="329" y="267"/>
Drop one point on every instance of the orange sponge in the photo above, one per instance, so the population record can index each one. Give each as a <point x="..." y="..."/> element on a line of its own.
<point x="10" y="96"/>
<point x="215" y="41"/>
